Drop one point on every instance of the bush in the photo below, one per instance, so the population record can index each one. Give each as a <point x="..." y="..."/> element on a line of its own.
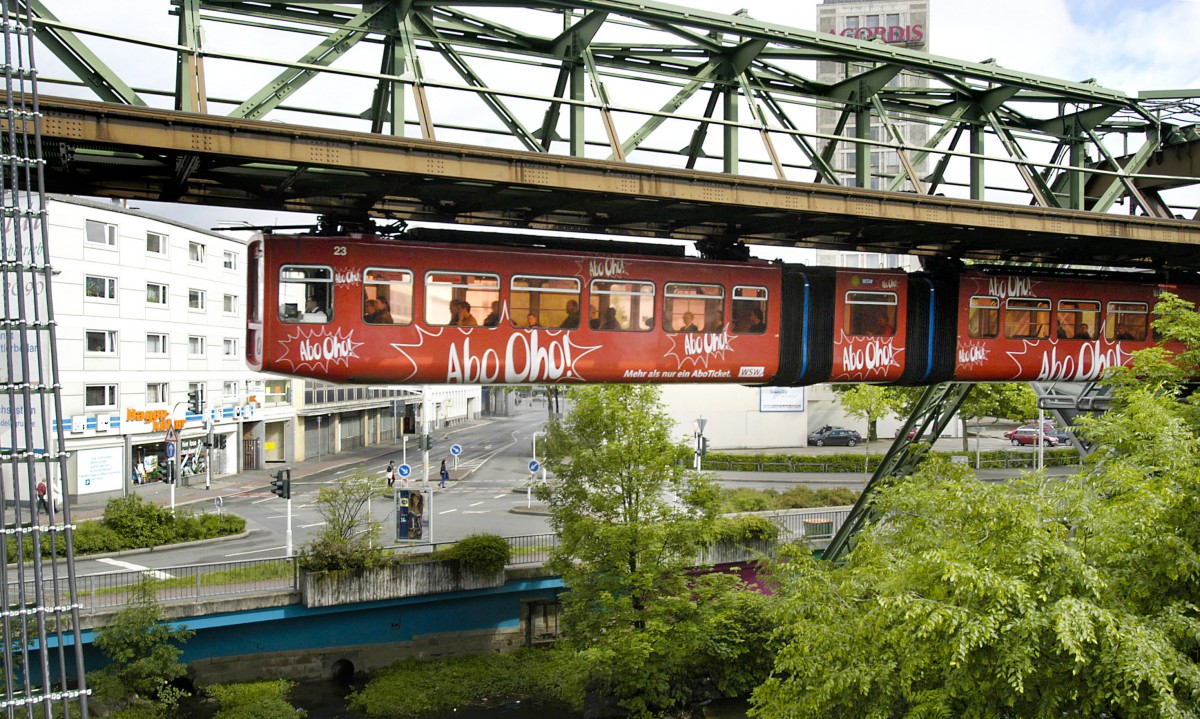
<point x="328" y="553"/>
<point x="554" y="675"/>
<point x="483" y="553"/>
<point x="138" y="523"/>
<point x="746" y="528"/>
<point x="255" y="700"/>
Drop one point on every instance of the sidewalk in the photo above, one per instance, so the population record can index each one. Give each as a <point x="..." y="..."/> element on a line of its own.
<point x="372" y="459"/>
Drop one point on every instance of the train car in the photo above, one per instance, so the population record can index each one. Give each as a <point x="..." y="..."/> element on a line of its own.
<point x="461" y="307"/>
<point x="368" y="309"/>
<point x="1052" y="328"/>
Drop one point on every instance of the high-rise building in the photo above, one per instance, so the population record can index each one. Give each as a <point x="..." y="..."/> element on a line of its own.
<point x="904" y="23"/>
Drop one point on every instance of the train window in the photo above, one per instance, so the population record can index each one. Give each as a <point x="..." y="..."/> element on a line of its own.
<point x="387" y="296"/>
<point x="460" y="298"/>
<point x="983" y="317"/>
<point x="750" y="310"/>
<point x="544" y="302"/>
<point x="693" y="308"/>
<point x="870" y="314"/>
<point x="621" y="305"/>
<point x="1127" y="321"/>
<point x="1078" y="320"/>
<point x="1026" y="318"/>
<point x="305" y="293"/>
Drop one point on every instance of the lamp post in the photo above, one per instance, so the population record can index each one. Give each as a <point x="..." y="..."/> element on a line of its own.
<point x="698" y="435"/>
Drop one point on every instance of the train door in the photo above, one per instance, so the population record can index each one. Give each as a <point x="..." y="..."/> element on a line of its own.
<point x="870" y="320"/>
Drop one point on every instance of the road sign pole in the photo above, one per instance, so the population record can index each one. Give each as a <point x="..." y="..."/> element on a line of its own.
<point x="289" y="525"/>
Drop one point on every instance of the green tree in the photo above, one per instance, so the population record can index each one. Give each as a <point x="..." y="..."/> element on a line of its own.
<point x="631" y="518"/>
<point x="143" y="654"/>
<point x="871" y="402"/>
<point x="1044" y="597"/>
<point x="349" y="539"/>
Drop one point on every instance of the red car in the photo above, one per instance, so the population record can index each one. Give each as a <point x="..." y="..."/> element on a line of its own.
<point x="1030" y="435"/>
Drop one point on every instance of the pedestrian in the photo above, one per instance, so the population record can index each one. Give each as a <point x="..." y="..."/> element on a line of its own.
<point x="445" y="475"/>
<point x="391" y="472"/>
<point x="41" y="491"/>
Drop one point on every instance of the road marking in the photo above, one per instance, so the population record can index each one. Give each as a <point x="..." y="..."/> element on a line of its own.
<point x="256" y="551"/>
<point x="448" y="511"/>
<point x="264" y="500"/>
<point x="136" y="568"/>
<point x="477" y="504"/>
<point x="476" y="511"/>
<point x="347" y="470"/>
<point x="306" y="526"/>
<point x="500" y="496"/>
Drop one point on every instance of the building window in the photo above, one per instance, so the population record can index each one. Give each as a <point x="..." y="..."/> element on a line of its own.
<point x="196" y="299"/>
<point x="99" y="396"/>
<point x="201" y="391"/>
<point x="229" y="260"/>
<point x="230" y="304"/>
<point x="156" y="393"/>
<point x="156" y="344"/>
<point x="101" y="288"/>
<point x="196" y="252"/>
<point x="230" y="391"/>
<point x="100" y="233"/>
<point x="156" y="294"/>
<point x="101" y="341"/>
<point x="893" y="19"/>
<point x="230" y="347"/>
<point x="196" y="346"/>
<point x="156" y="243"/>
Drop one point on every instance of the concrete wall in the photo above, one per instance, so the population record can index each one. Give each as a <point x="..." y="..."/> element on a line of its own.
<point x="327" y="589"/>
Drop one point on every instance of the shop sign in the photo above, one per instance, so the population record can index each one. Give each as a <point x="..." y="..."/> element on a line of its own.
<point x="159" y="419"/>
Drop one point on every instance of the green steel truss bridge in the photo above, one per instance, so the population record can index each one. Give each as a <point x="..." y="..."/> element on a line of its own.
<point x="609" y="116"/>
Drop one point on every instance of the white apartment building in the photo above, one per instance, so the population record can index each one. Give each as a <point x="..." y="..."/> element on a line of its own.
<point x="902" y="23"/>
<point x="149" y="310"/>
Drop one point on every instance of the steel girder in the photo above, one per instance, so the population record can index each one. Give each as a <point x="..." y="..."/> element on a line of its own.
<point x="532" y="75"/>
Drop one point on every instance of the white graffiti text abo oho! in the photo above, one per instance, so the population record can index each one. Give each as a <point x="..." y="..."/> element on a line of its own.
<point x="527" y="358"/>
<point x="872" y="356"/>
<point x="972" y="353"/>
<point x="1005" y="287"/>
<point x="319" y="349"/>
<point x="1087" y="364"/>
<point x="611" y="267"/>
<point x="704" y="344"/>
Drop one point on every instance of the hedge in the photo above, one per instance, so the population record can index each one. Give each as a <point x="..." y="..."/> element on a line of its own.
<point x="132" y="523"/>
<point x="853" y="461"/>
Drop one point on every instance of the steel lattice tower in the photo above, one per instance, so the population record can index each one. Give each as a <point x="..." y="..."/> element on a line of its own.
<point x="39" y="618"/>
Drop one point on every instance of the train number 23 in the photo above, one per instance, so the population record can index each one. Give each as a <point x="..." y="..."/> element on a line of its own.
<point x="339" y="250"/>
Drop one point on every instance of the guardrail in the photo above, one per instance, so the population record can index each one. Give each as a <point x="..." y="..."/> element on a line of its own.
<point x="199" y="582"/>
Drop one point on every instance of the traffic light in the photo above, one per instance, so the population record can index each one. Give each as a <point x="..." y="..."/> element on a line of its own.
<point x="281" y="486"/>
<point x="703" y="446"/>
<point x="425" y="442"/>
<point x="194" y="401"/>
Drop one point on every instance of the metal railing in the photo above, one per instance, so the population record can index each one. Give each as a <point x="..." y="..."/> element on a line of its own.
<point x="199" y="582"/>
<point x="1009" y="459"/>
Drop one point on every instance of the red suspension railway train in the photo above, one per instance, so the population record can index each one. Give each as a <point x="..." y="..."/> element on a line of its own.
<point x="417" y="308"/>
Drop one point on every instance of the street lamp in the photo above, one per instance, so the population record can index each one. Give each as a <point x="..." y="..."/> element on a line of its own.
<point x="701" y="443"/>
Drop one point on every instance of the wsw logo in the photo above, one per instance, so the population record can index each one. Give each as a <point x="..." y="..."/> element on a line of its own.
<point x="535" y="357"/>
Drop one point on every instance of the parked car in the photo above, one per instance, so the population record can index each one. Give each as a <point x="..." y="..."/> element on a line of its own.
<point x="1062" y="435"/>
<point x="1030" y="435"/>
<point x="834" y="436"/>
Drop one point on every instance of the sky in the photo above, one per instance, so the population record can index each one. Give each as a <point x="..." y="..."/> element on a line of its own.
<point x="1126" y="45"/>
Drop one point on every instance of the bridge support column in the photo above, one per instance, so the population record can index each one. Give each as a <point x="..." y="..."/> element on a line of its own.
<point x="933" y="413"/>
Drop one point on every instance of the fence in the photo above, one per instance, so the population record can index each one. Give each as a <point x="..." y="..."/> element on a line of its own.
<point x="991" y="459"/>
<point x="199" y="582"/>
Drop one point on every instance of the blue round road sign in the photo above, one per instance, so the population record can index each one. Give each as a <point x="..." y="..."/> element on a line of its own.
<point x="534" y="466"/>
<point x="456" y="450"/>
<point x="170" y="450"/>
<point x="404" y="470"/>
